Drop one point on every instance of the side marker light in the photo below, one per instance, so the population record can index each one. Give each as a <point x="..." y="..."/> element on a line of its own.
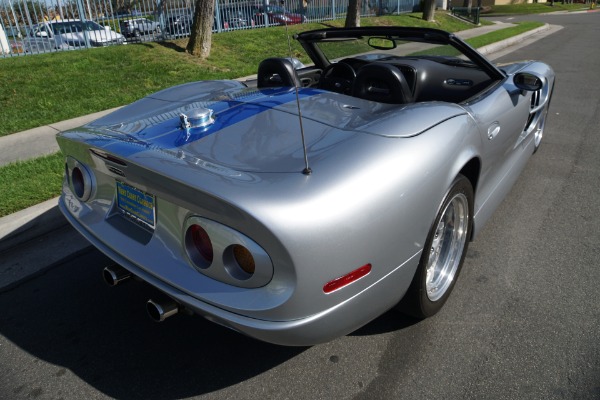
<point x="347" y="279"/>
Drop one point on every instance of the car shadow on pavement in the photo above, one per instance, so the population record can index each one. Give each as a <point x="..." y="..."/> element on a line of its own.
<point x="391" y="321"/>
<point x="69" y="317"/>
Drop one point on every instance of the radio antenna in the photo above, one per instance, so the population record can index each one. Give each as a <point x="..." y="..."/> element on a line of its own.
<point x="307" y="170"/>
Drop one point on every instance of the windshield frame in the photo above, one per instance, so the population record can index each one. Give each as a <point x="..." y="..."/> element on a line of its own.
<point x="312" y="42"/>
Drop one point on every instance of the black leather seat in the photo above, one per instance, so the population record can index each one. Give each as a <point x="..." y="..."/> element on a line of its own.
<point x="277" y="72"/>
<point x="383" y="83"/>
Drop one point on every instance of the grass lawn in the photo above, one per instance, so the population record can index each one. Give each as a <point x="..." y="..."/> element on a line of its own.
<point x="24" y="184"/>
<point x="47" y="88"/>
<point x="502" y="34"/>
<point x="483" y="40"/>
<point x="533" y="8"/>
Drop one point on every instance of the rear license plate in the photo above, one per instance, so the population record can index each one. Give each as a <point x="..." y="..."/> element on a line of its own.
<point x="136" y="204"/>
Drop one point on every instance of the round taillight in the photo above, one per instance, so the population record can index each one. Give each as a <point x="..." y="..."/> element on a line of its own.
<point x="244" y="259"/>
<point x="81" y="180"/>
<point x="239" y="262"/>
<point x="199" y="246"/>
<point x="78" y="182"/>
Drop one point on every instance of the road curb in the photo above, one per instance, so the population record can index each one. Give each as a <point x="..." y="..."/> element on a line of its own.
<point x="501" y="45"/>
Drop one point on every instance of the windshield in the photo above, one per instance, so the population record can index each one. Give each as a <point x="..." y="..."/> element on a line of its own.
<point x="75" y="26"/>
<point x="374" y="47"/>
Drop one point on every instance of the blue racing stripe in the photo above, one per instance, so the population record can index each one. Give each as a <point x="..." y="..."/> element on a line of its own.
<point x="241" y="106"/>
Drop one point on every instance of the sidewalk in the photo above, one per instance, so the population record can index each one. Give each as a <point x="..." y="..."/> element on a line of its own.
<point x="34" y="239"/>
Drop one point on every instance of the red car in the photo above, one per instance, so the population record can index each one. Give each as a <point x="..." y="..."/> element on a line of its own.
<point x="276" y="16"/>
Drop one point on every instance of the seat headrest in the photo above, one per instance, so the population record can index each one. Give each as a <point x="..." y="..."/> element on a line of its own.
<point x="277" y="72"/>
<point x="383" y="83"/>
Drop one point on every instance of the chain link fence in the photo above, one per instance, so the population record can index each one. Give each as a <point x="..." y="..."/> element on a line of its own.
<point x="40" y="26"/>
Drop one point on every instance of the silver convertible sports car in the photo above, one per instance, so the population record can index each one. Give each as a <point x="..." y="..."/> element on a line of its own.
<point x="298" y="206"/>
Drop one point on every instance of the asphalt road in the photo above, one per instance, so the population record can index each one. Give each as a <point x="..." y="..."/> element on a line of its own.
<point x="523" y="321"/>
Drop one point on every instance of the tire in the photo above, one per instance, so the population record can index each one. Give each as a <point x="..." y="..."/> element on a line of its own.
<point x="137" y="34"/>
<point x="539" y="133"/>
<point x="443" y="254"/>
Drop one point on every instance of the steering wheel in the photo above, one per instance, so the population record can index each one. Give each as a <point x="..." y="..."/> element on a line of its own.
<point x="337" y="77"/>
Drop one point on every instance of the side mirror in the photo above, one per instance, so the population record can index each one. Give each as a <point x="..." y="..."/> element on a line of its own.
<point x="528" y="81"/>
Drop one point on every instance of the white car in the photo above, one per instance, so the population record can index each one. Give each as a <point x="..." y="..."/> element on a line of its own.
<point x="70" y="34"/>
<point x="139" y="26"/>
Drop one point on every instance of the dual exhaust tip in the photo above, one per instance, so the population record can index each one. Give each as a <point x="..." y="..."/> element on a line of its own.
<point x="161" y="310"/>
<point x="115" y="274"/>
<point x="158" y="310"/>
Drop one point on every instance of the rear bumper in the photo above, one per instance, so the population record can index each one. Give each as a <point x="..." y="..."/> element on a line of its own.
<point x="324" y="326"/>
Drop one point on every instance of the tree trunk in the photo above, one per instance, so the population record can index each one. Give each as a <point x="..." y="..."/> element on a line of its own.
<point x="201" y="34"/>
<point x="353" y="14"/>
<point x="429" y="10"/>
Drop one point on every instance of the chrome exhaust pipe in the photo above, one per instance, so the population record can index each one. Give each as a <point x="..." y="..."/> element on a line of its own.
<point x="161" y="310"/>
<point x="115" y="274"/>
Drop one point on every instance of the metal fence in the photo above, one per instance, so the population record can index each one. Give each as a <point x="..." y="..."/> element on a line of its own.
<point x="41" y="26"/>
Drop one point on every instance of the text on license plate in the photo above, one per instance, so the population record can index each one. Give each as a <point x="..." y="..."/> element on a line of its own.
<point x="136" y="203"/>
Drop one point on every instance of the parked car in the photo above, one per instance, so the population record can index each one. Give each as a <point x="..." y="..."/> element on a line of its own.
<point x="178" y="25"/>
<point x="69" y="34"/>
<point x="235" y="18"/>
<point x="137" y="27"/>
<point x="126" y="13"/>
<point x="276" y="16"/>
<point x="297" y="207"/>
